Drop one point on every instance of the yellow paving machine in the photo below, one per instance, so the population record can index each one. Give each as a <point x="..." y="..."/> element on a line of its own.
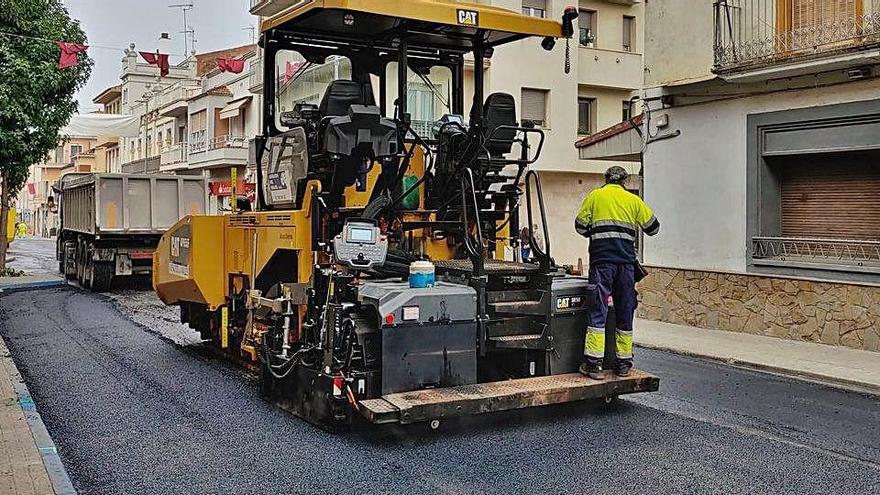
<point x="373" y="278"/>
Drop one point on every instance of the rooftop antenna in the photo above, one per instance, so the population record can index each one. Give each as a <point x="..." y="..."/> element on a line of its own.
<point x="187" y="29"/>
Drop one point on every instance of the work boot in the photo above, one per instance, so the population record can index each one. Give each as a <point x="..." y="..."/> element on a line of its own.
<point x="591" y="370"/>
<point x="622" y="369"/>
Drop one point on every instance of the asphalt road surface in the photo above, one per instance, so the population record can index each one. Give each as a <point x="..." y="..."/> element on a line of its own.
<point x="136" y="406"/>
<point x="33" y="255"/>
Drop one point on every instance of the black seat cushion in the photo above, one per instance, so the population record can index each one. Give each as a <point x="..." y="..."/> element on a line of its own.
<point x="340" y="96"/>
<point x="499" y="110"/>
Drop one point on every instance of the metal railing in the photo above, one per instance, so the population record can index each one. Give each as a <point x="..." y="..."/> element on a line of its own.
<point x="198" y="141"/>
<point x="756" y="32"/>
<point x="826" y="251"/>
<point x="423" y="128"/>
<point x="176" y="153"/>
<point x="228" y="141"/>
<point x="175" y="94"/>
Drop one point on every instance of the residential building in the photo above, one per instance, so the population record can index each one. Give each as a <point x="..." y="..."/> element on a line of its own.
<point x="35" y="201"/>
<point x="107" y="152"/>
<point x="763" y="138"/>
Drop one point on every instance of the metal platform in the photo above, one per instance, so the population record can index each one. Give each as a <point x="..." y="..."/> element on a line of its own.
<point x="493" y="267"/>
<point x="426" y="405"/>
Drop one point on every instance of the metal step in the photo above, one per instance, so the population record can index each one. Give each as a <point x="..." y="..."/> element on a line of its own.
<point x="528" y="341"/>
<point x="464" y="400"/>
<point x="533" y="308"/>
<point x="516" y="325"/>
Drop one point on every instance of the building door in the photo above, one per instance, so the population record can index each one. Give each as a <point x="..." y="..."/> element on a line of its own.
<point x="831" y="198"/>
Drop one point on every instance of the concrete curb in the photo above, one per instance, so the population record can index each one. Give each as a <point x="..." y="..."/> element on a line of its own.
<point x="61" y="483"/>
<point x="830" y="380"/>
<point x="30" y="285"/>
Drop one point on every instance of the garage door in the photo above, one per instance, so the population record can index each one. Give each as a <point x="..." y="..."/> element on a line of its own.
<point x="831" y="199"/>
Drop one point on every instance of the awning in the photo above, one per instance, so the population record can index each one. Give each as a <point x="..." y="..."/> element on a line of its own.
<point x="102" y="124"/>
<point x="621" y="142"/>
<point x="234" y="108"/>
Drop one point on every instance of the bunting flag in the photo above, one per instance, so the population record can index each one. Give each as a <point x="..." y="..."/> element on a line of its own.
<point x="290" y="70"/>
<point x="234" y="65"/>
<point x="160" y="60"/>
<point x="68" y="56"/>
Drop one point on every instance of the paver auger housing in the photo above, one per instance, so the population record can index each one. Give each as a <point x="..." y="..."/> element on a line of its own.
<point x="360" y="176"/>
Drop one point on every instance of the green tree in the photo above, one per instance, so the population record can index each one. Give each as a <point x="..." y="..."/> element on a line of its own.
<point x="36" y="98"/>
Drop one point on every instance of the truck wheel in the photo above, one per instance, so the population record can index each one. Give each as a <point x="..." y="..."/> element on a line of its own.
<point x="102" y="276"/>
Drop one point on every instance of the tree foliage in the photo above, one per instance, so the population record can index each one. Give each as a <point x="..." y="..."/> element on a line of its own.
<point x="36" y="98"/>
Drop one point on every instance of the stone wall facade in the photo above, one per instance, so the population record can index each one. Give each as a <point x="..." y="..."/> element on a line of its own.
<point x="814" y="311"/>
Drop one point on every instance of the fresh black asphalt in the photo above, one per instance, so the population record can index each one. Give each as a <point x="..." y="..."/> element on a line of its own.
<point x="134" y="412"/>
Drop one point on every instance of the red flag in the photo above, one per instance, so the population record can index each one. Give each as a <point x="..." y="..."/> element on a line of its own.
<point x="160" y="60"/>
<point x="68" y="56"/>
<point x="32" y="188"/>
<point x="234" y="65"/>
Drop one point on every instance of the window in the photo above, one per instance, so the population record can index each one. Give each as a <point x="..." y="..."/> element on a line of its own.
<point x="586" y="116"/>
<point x="587" y="23"/>
<point x="75" y="149"/>
<point x="198" y="131"/>
<point x="627" y="110"/>
<point x="59" y="154"/>
<point x="534" y="106"/>
<point x="535" y="8"/>
<point x="125" y="96"/>
<point x="629" y="31"/>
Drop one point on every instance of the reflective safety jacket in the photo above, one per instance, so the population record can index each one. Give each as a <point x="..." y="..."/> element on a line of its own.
<point x="611" y="217"/>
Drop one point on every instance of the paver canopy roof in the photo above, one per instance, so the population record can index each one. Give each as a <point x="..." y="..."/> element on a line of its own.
<point x="439" y="23"/>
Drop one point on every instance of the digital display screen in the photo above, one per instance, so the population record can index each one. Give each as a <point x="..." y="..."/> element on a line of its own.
<point x="360" y="234"/>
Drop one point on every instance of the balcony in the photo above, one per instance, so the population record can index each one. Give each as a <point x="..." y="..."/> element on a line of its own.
<point x="172" y="103"/>
<point x="220" y="151"/>
<point x="768" y="39"/>
<point x="255" y="77"/>
<point x="150" y="165"/>
<point x="610" y="68"/>
<point x="174" y="157"/>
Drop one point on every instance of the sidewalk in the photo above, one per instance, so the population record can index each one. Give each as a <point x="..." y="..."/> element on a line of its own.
<point x="838" y="365"/>
<point x="29" y="463"/>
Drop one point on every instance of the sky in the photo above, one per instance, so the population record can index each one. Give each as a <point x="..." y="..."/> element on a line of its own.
<point x="218" y="24"/>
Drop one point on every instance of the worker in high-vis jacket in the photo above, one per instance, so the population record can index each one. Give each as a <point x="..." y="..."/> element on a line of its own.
<point x="610" y="218"/>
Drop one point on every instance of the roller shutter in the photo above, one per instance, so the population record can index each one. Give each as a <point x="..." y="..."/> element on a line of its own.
<point x="831" y="200"/>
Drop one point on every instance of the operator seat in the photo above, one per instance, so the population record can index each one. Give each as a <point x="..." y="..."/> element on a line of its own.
<point x="499" y="110"/>
<point x="341" y="95"/>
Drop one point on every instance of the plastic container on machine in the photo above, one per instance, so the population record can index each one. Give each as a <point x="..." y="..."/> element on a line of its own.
<point x="421" y="274"/>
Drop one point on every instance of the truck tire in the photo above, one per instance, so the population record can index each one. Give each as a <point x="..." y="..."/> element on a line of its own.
<point x="102" y="276"/>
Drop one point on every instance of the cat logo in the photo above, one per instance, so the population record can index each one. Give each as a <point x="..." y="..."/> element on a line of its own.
<point x="468" y="17"/>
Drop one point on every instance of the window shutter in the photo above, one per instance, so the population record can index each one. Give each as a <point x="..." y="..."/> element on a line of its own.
<point x="628" y="33"/>
<point x="534" y="105"/>
<point x="535" y="4"/>
<point x="831" y="200"/>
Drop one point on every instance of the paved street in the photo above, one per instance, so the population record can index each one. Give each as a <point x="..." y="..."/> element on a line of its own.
<point x="136" y="407"/>
<point x="33" y="255"/>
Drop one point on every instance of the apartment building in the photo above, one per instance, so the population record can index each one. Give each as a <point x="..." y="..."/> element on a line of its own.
<point x="606" y="72"/>
<point x="107" y="151"/>
<point x="763" y="136"/>
<point x="34" y="204"/>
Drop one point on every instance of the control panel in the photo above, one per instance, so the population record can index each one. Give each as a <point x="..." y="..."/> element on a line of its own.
<point x="361" y="245"/>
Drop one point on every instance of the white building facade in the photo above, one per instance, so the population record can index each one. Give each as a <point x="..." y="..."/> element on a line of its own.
<point x="763" y="137"/>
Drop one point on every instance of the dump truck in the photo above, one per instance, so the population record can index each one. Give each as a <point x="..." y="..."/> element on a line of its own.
<point x="110" y="224"/>
<point x="327" y="287"/>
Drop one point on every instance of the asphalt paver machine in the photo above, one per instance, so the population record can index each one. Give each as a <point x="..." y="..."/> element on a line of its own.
<point x="367" y="165"/>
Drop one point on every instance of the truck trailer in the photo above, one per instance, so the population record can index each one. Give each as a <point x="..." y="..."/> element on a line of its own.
<point x="111" y="223"/>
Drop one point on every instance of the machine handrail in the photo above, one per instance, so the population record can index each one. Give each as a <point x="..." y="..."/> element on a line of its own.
<point x="523" y="141"/>
<point x="468" y="191"/>
<point x="542" y="254"/>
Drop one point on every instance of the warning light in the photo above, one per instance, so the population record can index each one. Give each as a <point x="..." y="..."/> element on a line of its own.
<point x="389" y="319"/>
<point x="337" y="386"/>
